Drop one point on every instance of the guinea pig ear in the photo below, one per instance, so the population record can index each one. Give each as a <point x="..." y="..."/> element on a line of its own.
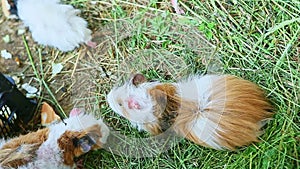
<point x="138" y="79"/>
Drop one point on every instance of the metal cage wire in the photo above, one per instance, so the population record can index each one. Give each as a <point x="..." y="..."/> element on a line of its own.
<point x="15" y="109"/>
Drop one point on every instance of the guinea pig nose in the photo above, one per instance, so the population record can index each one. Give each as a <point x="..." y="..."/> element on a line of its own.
<point x="133" y="104"/>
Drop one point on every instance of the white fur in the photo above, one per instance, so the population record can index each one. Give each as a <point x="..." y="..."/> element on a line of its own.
<point x="49" y="155"/>
<point x="199" y="89"/>
<point x="54" y="24"/>
<point x="138" y="118"/>
<point x="196" y="88"/>
<point x="205" y="130"/>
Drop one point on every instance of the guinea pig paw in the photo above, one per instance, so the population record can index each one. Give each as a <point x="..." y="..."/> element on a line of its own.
<point x="91" y="44"/>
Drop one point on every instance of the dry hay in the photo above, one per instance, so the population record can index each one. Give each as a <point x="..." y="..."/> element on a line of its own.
<point x="88" y="74"/>
<point x="113" y="61"/>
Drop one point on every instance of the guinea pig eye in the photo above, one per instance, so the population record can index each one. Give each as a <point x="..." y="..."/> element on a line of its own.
<point x="119" y="103"/>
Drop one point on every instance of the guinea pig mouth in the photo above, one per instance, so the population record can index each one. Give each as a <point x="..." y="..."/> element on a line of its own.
<point x="133" y="104"/>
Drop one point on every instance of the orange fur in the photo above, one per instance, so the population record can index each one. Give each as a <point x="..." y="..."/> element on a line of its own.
<point x="165" y="107"/>
<point x="20" y="150"/>
<point x="239" y="107"/>
<point x="177" y="112"/>
<point x="65" y="143"/>
<point x="56" y="146"/>
<point x="187" y="113"/>
<point x="95" y="132"/>
<point x="37" y="137"/>
<point x="14" y="157"/>
<point x="48" y="115"/>
<point x="218" y="111"/>
<point x="245" y="108"/>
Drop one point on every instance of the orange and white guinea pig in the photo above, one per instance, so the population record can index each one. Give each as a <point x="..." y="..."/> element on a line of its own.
<point x="217" y="111"/>
<point x="55" y="146"/>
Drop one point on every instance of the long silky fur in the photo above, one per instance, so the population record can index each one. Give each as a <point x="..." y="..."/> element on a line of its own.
<point x="237" y="106"/>
<point x="246" y="108"/>
<point x="176" y="112"/>
<point x="217" y="111"/>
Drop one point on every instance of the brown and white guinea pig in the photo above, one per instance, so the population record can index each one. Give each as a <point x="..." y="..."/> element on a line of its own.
<point x="51" y="22"/>
<point x="55" y="146"/>
<point x="217" y="111"/>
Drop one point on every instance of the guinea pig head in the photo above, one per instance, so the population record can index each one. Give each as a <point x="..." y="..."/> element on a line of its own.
<point x="76" y="143"/>
<point x="133" y="101"/>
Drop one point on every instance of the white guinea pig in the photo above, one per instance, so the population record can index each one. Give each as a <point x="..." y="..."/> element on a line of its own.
<point x="217" y="111"/>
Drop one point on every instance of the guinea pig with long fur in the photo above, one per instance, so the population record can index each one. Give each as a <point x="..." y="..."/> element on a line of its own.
<point x="216" y="111"/>
<point x="55" y="146"/>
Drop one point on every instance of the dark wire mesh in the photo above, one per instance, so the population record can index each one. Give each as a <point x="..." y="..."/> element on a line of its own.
<point x="15" y="109"/>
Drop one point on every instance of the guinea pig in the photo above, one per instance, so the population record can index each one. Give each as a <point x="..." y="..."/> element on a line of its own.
<point x="216" y="111"/>
<point x="55" y="146"/>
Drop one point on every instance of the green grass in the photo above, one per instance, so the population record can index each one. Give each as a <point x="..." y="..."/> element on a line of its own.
<point x="255" y="40"/>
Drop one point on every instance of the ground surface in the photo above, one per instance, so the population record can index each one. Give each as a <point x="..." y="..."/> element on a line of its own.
<point x="258" y="41"/>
